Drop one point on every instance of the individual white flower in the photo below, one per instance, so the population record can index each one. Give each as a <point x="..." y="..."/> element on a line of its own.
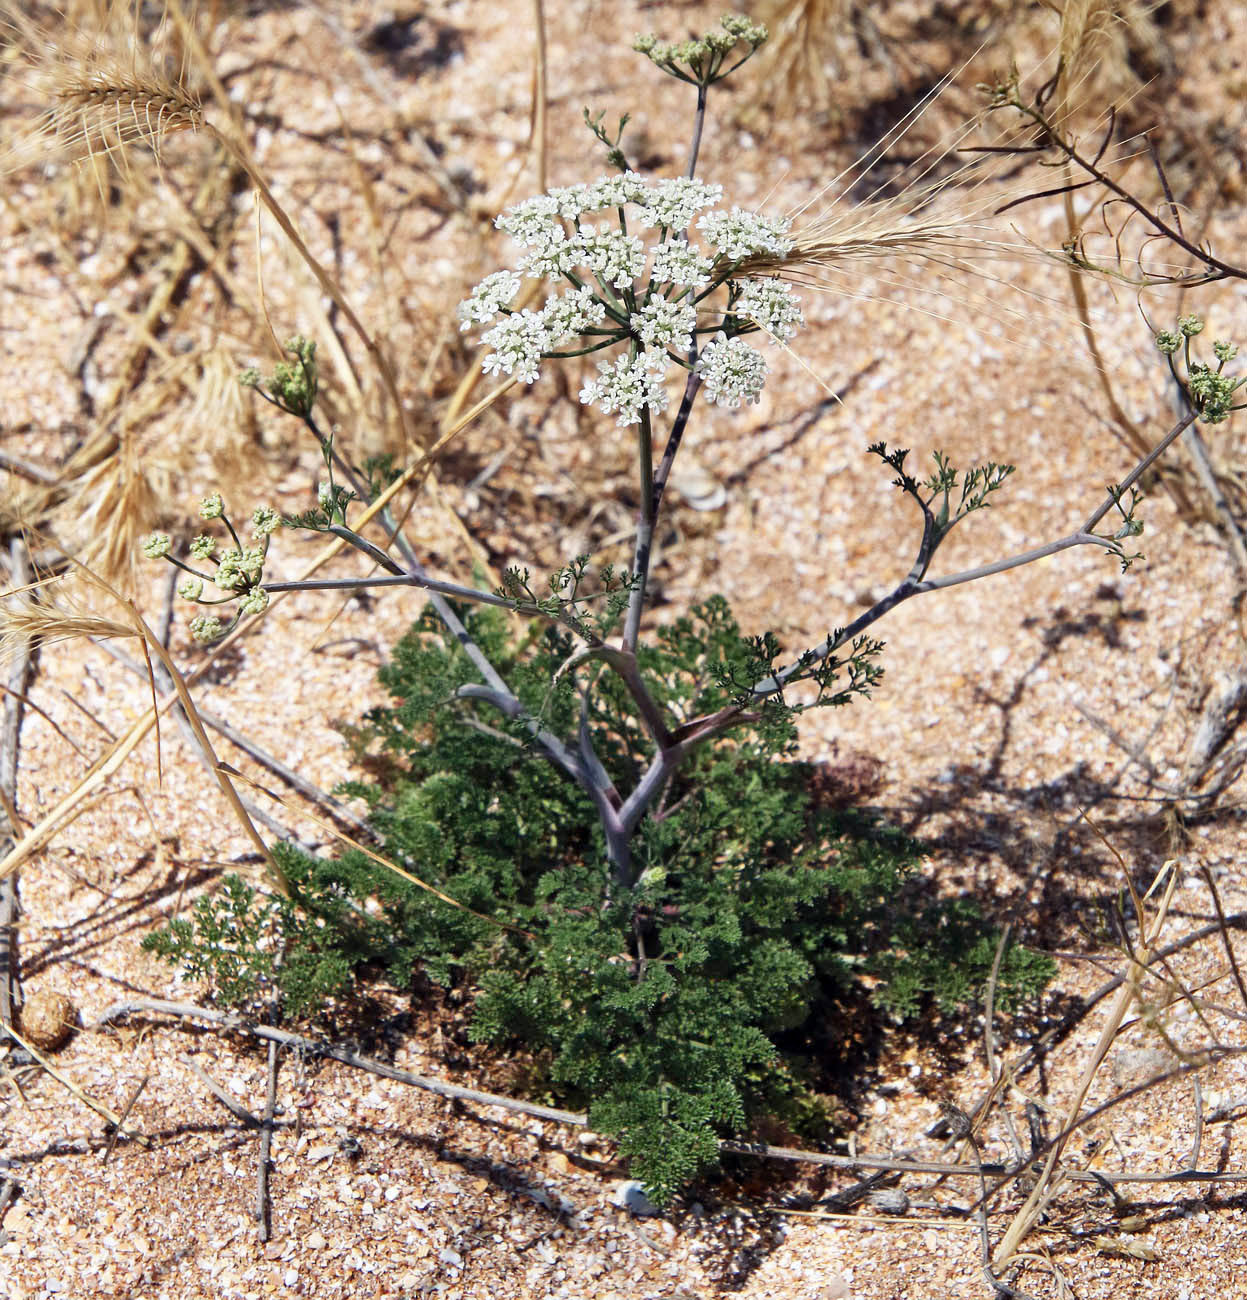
<point x="731" y="370"/>
<point x="265" y="520"/>
<point x="771" y="305"/>
<point x="615" y="191"/>
<point x="519" y="341"/>
<point x="203" y="546"/>
<point x="157" y="546"/>
<point x="212" y="507"/>
<point x="664" y="324"/>
<point x="678" y="262"/>
<point x="739" y="234"/>
<point x="572" y="313"/>
<point x="324" y="495"/>
<point x="207" y="627"/>
<point x="254" y="602"/>
<point x="488" y="298"/>
<point x="530" y="221"/>
<point x="615" y="258"/>
<point x="627" y="386"/>
<point x="191" y="588"/>
<point x="673" y="203"/>
<point x="551" y="256"/>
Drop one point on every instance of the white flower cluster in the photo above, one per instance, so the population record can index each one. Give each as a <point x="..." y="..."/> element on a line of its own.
<point x="664" y="324"/>
<point x="678" y="263"/>
<point x="732" y="371"/>
<point x="491" y="296"/>
<point x="739" y="234"/>
<point x="627" y="386"/>
<point x="619" y="289"/>
<point x="519" y="343"/>
<point x="772" y="306"/>
<point x="673" y="203"/>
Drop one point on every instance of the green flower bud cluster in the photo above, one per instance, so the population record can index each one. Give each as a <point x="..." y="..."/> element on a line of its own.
<point x="239" y="569"/>
<point x="1168" y="342"/>
<point x="1212" y="393"/>
<point x="701" y="61"/>
<point x="292" y="384"/>
<point x="1210" y="390"/>
<point x="205" y="628"/>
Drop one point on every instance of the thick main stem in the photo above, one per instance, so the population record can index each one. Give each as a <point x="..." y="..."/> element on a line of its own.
<point x="644" y="532"/>
<point x="652" y="487"/>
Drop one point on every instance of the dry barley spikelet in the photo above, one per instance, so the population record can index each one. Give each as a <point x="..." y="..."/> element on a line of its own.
<point x="103" y="112"/>
<point x="60" y="613"/>
<point x="107" y="89"/>
<point x="934" y="236"/>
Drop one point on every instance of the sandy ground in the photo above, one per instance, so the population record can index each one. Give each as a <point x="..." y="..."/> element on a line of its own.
<point x="1010" y="706"/>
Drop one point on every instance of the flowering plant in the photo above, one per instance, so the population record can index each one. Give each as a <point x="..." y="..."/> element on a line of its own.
<point x="664" y="282"/>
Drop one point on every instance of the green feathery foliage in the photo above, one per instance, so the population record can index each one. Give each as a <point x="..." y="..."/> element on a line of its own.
<point x="658" y="1006"/>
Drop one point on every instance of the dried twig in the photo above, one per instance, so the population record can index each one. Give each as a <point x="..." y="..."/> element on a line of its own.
<point x="263" y="1205"/>
<point x="1035" y="1053"/>
<point x="8" y="1191"/>
<point x="1051" y="1174"/>
<point x="28" y="468"/>
<point x="225" y="1097"/>
<point x="125" y="1114"/>
<point x="1223" y="926"/>
<point x="343" y="1054"/>
<point x="249" y="747"/>
<point x="760" y="1149"/>
<point x="100" y="1109"/>
<point x="10" y="731"/>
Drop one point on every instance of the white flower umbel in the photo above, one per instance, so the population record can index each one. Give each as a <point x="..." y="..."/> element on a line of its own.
<point x="663" y="324"/>
<point x="488" y="298"/>
<point x="572" y="313"/>
<point x="615" y="191"/>
<point x="615" y="258"/>
<point x="678" y="262"/>
<point x="651" y="290"/>
<point x="732" y="371"/>
<point x="519" y="342"/>
<point x="673" y="203"/>
<point x="530" y="222"/>
<point x="627" y="386"/>
<point x="771" y="305"/>
<point x="739" y="234"/>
